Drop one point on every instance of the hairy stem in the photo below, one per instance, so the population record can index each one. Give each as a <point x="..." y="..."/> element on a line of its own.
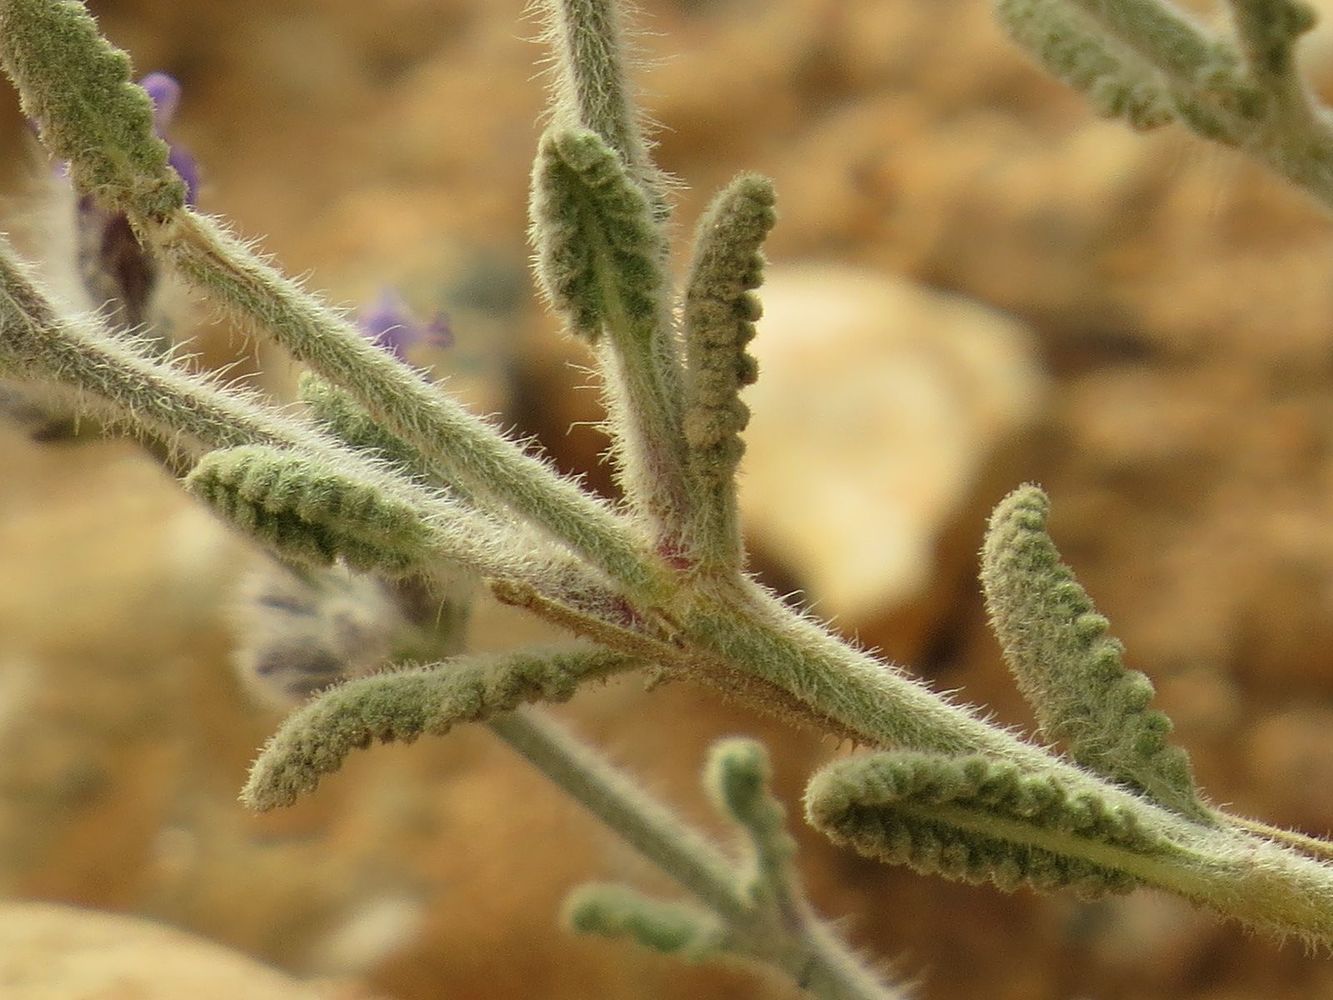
<point x="476" y="454"/>
<point x="591" y="88"/>
<point x="1264" y="111"/>
<point x="1313" y="846"/>
<point x="1263" y="884"/>
<point x="808" y="953"/>
<point x="645" y="824"/>
<point x="127" y="381"/>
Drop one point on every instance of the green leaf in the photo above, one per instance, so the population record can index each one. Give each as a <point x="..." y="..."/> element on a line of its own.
<point x="310" y="511"/>
<point x="77" y="87"/>
<point x="975" y="819"/>
<point x="1118" y="83"/>
<point x="671" y="928"/>
<point x="404" y="705"/>
<point x="720" y="313"/>
<point x="739" y="777"/>
<point x="599" y="253"/>
<point x="1069" y="667"/>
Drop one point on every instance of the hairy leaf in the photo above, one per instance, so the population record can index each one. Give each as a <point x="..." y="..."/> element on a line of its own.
<point x="77" y="87"/>
<point x="599" y="253"/>
<point x="720" y="313"/>
<point x="307" y="510"/>
<point x="1118" y="83"/>
<point x="1067" y="664"/>
<point x="975" y="819"/>
<point x="672" y="928"/>
<point x="401" y="706"/>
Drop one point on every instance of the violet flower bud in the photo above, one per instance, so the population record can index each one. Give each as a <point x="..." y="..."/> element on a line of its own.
<point x="391" y="325"/>
<point x="113" y="266"/>
<point x="165" y="93"/>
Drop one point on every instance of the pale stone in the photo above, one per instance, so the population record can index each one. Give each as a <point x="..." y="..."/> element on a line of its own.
<point x="53" y="952"/>
<point x="877" y="404"/>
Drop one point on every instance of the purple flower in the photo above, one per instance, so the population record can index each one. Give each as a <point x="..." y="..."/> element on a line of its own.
<point x="165" y="94"/>
<point x="113" y="266"/>
<point x="164" y="91"/>
<point x="390" y="324"/>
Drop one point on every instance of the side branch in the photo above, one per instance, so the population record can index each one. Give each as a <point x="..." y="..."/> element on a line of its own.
<point x="757" y="912"/>
<point x="1248" y="96"/>
<point x="126" y="381"/>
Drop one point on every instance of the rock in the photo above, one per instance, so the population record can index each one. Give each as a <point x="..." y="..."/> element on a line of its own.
<point x="877" y="405"/>
<point x="48" y="950"/>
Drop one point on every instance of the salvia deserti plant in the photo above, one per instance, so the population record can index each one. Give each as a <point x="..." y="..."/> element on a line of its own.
<point x="386" y="502"/>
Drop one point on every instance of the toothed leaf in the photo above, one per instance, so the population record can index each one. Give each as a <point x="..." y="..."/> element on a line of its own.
<point x="1067" y="664"/>
<point x="974" y="819"/>
<point x="599" y="253"/>
<point x="78" y="88"/>
<point x="399" y="707"/>
<point x="720" y="313"/>
<point x="305" y="509"/>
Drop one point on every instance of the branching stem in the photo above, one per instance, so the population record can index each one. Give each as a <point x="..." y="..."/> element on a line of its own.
<point x="1262" y="107"/>
<point x="807" y="952"/>
<point x="266" y="301"/>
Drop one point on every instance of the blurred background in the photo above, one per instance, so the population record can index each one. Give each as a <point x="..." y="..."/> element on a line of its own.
<point x="974" y="283"/>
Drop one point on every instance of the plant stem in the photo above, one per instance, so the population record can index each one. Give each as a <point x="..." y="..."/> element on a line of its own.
<point x="129" y="383"/>
<point x="591" y="87"/>
<point x="1264" y="884"/>
<point x="484" y="461"/>
<point x="1275" y="123"/>
<point x="813" y="957"/>
<point x="644" y="823"/>
<point x="1313" y="846"/>
<point x="640" y="362"/>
